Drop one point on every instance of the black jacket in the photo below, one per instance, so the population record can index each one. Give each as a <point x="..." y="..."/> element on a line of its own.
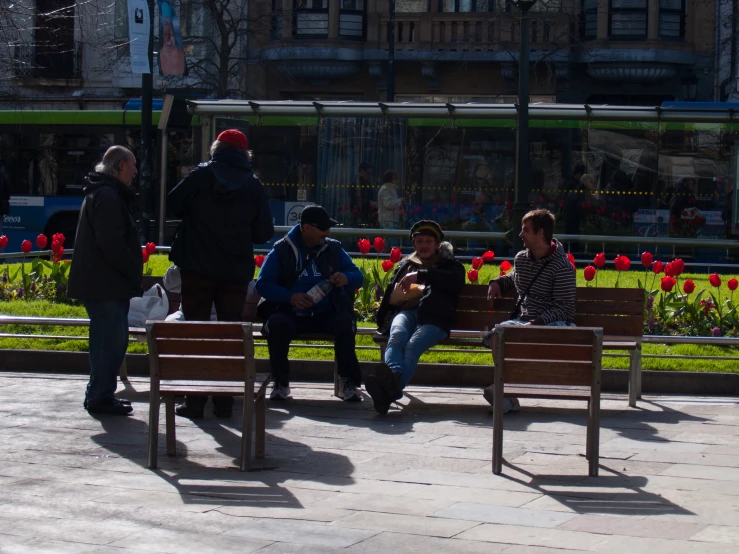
<point x="444" y="281"/>
<point x="107" y="261"/>
<point x="224" y="211"/>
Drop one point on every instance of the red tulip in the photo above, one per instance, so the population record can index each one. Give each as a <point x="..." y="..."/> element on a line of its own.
<point x="489" y="257"/>
<point x="668" y="283"/>
<point x="505" y="266"/>
<point x="732" y="284"/>
<point x="3" y="241"/>
<point x="589" y="273"/>
<point x="572" y="260"/>
<point x="26" y="246"/>
<point x="57" y="254"/>
<point x="678" y="266"/>
<point x="144" y="255"/>
<point x="714" y="279"/>
<point x="688" y="286"/>
<point x="477" y="263"/>
<point x="387" y="265"/>
<point x="646" y="259"/>
<point x="59" y="237"/>
<point x="364" y="246"/>
<point x="622" y="263"/>
<point x="41" y="241"/>
<point x="395" y="255"/>
<point x="472" y="275"/>
<point x="669" y="270"/>
<point x="657" y="267"/>
<point x="259" y="260"/>
<point x="599" y="260"/>
<point x="151" y="248"/>
<point x="379" y="244"/>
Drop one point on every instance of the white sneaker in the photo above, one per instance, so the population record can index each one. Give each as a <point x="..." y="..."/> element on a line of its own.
<point x="348" y="391"/>
<point x="280" y="392"/>
<point x="509" y="404"/>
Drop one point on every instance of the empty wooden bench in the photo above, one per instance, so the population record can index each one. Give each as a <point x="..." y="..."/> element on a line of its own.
<point x="620" y="312"/>
<point x="561" y="363"/>
<point x="207" y="359"/>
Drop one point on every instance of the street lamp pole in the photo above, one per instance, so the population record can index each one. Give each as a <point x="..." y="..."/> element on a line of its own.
<point x="390" y="93"/>
<point x="522" y="177"/>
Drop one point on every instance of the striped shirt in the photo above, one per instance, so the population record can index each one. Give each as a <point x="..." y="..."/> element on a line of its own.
<point x="552" y="296"/>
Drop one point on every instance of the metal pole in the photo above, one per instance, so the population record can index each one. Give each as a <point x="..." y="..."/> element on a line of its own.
<point x="162" y="186"/>
<point x="147" y="162"/>
<point x="391" y="55"/>
<point x="521" y="187"/>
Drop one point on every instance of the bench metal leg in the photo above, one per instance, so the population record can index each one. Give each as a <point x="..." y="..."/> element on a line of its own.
<point x="634" y="376"/>
<point x="153" y="430"/>
<point x="123" y="371"/>
<point x="169" y="425"/>
<point x="247" y="425"/>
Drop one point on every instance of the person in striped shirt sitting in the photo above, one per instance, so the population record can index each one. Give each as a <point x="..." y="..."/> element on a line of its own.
<point x="544" y="280"/>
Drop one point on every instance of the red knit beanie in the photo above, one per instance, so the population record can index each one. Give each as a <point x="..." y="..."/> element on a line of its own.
<point x="234" y="137"/>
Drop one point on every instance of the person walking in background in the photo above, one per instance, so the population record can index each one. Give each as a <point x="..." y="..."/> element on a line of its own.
<point x="307" y="284"/>
<point x="224" y="211"/>
<point x="389" y="204"/>
<point x="106" y="273"/>
<point x="417" y="311"/>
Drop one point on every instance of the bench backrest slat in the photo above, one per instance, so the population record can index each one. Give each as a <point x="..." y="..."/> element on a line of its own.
<point x="618" y="311"/>
<point x="547" y="355"/>
<point x="212" y="351"/>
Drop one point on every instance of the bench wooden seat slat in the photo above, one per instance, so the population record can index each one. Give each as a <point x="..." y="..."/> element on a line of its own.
<point x="620" y="345"/>
<point x="224" y="388"/>
<point x="183" y="367"/>
<point x="228" y="347"/>
<point x="531" y="372"/>
<point x="548" y="392"/>
<point x="522" y="350"/>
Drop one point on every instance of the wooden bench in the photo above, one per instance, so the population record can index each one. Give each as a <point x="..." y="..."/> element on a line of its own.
<point x="620" y="312"/>
<point x="552" y="363"/>
<point x="207" y="359"/>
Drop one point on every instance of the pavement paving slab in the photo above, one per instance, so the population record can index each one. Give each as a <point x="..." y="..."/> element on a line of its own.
<point x="339" y="478"/>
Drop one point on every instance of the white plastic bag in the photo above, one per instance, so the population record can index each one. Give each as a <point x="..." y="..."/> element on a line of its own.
<point x="153" y="305"/>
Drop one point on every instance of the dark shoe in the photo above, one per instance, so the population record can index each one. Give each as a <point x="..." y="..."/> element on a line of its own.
<point x="121" y="400"/>
<point x="223" y="413"/>
<point x="189" y="412"/>
<point x="384" y="387"/>
<point x="111" y="406"/>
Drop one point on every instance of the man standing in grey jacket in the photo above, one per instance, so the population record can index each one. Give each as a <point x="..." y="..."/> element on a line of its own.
<point x="106" y="273"/>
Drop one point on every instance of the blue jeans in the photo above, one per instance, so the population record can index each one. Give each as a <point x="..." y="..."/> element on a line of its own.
<point x="108" y="345"/>
<point x="407" y="342"/>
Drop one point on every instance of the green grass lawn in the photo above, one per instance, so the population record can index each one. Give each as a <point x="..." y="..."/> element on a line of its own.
<point x="159" y="264"/>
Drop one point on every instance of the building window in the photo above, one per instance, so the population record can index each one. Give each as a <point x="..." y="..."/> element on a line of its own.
<point x="120" y="25"/>
<point x="412" y="6"/>
<point x="628" y="20"/>
<point x="466" y="6"/>
<point x="351" y="19"/>
<point x="589" y="20"/>
<point x="671" y="19"/>
<point x="310" y="18"/>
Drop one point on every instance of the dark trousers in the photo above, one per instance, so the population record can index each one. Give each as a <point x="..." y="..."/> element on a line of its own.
<point x="108" y="345"/>
<point x="281" y="328"/>
<point x="198" y="296"/>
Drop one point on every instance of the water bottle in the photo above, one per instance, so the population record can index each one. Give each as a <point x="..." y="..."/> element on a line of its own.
<point x="320" y="290"/>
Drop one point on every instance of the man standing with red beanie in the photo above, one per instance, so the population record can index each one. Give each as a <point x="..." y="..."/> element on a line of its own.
<point x="224" y="211"/>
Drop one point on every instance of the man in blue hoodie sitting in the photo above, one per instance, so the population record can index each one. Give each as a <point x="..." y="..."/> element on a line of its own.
<point x="307" y="285"/>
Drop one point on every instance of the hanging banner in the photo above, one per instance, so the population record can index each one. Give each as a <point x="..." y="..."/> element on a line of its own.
<point x="138" y="35"/>
<point x="171" y="47"/>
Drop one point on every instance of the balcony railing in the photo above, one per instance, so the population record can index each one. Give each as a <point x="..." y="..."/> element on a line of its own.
<point x="472" y="30"/>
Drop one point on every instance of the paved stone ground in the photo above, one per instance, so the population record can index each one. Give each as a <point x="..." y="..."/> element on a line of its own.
<point x="339" y="478"/>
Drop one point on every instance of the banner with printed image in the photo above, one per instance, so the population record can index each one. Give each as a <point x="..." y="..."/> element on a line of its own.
<point x="171" y="46"/>
<point x="138" y="35"/>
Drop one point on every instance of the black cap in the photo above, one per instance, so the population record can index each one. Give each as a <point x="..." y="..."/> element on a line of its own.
<point x="317" y="216"/>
